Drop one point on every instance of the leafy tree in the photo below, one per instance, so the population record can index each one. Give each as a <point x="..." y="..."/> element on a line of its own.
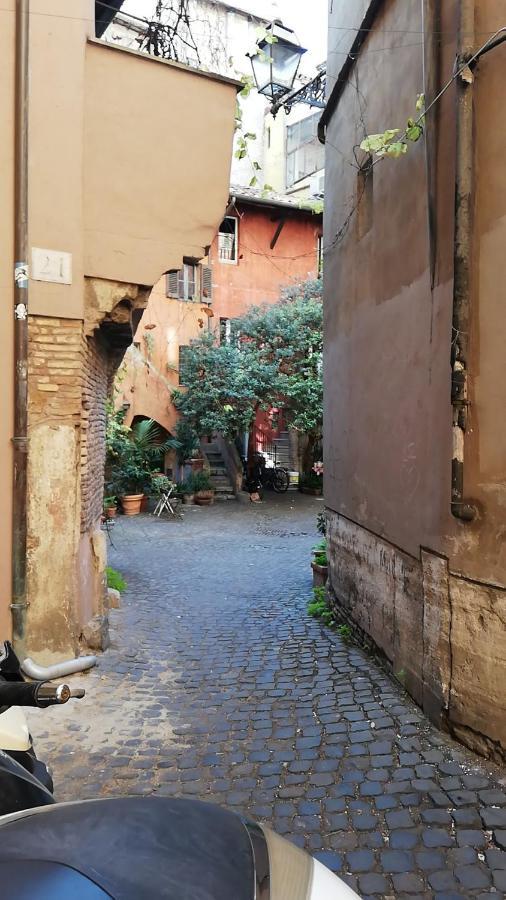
<point x="274" y="359"/>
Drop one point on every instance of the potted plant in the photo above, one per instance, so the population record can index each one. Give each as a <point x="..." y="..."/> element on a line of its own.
<point x="203" y="488"/>
<point x="188" y="441"/>
<point x="110" y="509"/>
<point x="187" y="490"/>
<point x="312" y="483"/>
<point x="320" y="568"/>
<point x="130" y="480"/>
<point x="132" y="453"/>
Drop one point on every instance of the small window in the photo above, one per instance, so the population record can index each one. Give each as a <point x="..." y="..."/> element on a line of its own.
<point x="183" y="348"/>
<point x="182" y="283"/>
<point x="365" y="184"/>
<point x="225" y="331"/>
<point x="319" y="256"/>
<point x="227" y="240"/>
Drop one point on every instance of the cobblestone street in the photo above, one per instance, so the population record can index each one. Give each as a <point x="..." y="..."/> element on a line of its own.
<point x="218" y="685"/>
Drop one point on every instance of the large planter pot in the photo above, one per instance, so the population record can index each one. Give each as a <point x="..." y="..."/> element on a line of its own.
<point x="110" y="512"/>
<point x="131" y="504"/>
<point x="188" y="499"/>
<point x="204" y="498"/>
<point x="196" y="464"/>
<point x="320" y="574"/>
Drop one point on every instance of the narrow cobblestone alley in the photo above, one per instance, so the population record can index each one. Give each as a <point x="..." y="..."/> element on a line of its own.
<point x="219" y="686"/>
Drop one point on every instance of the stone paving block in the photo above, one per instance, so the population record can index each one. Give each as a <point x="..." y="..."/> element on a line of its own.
<point x="404" y="840"/>
<point x="396" y="861"/>
<point x="373" y="884"/>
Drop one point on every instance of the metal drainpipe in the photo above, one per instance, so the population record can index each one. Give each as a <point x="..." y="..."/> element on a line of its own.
<point x="460" y="508"/>
<point x="20" y="441"/>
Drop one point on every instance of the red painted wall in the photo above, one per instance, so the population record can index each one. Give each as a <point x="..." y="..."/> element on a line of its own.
<point x="260" y="272"/>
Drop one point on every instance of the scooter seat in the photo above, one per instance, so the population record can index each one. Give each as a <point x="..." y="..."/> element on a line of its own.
<point x="129" y="848"/>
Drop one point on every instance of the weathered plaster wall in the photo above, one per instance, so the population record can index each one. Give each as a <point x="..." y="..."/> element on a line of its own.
<point x="428" y="589"/>
<point x="151" y="367"/>
<point x="70" y="367"/>
<point x="443" y="635"/>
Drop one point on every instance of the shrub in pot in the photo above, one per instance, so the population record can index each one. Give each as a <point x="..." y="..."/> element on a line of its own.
<point x="320" y="568"/>
<point x="131" y="455"/>
<point x="203" y="488"/>
<point x="187" y="490"/>
<point x="311" y="484"/>
<point x="110" y="509"/>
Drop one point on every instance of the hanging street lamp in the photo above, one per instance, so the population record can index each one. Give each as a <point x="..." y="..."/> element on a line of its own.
<point x="276" y="63"/>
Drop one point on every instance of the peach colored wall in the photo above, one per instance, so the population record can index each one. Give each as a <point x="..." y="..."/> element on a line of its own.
<point x="158" y="145"/>
<point x="147" y="377"/>
<point x="261" y="272"/>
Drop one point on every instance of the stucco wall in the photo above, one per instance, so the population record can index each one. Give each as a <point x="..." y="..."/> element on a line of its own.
<point x="261" y="272"/>
<point x="387" y="375"/>
<point x="153" y="186"/>
<point x="150" y="371"/>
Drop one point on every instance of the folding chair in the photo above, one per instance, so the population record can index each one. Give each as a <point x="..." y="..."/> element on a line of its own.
<point x="168" y="503"/>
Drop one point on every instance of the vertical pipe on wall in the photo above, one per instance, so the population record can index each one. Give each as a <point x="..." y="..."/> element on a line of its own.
<point x="20" y="439"/>
<point x="462" y="261"/>
<point x="431" y="27"/>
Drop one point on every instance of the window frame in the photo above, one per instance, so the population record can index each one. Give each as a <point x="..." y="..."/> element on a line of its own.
<point x="235" y="260"/>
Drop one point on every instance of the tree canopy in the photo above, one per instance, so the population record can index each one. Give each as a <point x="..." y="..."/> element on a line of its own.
<point x="273" y="359"/>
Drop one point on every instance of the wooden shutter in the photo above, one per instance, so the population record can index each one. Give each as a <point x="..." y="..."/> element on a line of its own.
<point x="207" y="283"/>
<point x="171" y="287"/>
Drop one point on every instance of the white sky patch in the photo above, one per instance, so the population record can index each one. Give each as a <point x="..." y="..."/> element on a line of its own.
<point x="308" y="20"/>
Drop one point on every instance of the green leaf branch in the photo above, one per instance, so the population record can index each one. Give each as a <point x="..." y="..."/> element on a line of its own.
<point x="388" y="143"/>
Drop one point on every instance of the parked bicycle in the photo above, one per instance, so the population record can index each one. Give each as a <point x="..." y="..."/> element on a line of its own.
<point x="261" y="475"/>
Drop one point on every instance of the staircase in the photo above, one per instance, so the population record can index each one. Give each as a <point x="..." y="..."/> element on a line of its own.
<point x="282" y="456"/>
<point x="219" y="476"/>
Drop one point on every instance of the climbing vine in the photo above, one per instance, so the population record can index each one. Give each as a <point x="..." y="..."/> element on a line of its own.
<point x="388" y="144"/>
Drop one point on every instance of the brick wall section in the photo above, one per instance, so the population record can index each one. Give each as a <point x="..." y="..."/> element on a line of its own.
<point x="95" y="389"/>
<point x="54" y="370"/>
<point x="69" y="377"/>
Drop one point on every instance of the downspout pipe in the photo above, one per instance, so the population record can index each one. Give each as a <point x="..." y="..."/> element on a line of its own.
<point x="20" y="439"/>
<point x="58" y="670"/>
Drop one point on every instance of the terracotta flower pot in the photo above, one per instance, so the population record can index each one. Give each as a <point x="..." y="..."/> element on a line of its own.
<point x="110" y="512"/>
<point x="320" y="574"/>
<point x="188" y="499"/>
<point x="131" y="504"/>
<point x="204" y="498"/>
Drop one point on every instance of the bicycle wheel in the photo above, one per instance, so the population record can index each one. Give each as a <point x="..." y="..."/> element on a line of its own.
<point x="280" y="480"/>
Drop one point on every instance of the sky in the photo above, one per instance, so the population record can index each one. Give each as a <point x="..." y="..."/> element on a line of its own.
<point x="310" y="27"/>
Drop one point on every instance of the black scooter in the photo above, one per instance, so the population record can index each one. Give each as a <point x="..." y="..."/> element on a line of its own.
<point x="133" y="848"/>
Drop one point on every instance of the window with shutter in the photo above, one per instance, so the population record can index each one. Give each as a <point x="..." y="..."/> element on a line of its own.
<point x="171" y="285"/>
<point x="182" y="283"/>
<point x="227" y="240"/>
<point x="207" y="283"/>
